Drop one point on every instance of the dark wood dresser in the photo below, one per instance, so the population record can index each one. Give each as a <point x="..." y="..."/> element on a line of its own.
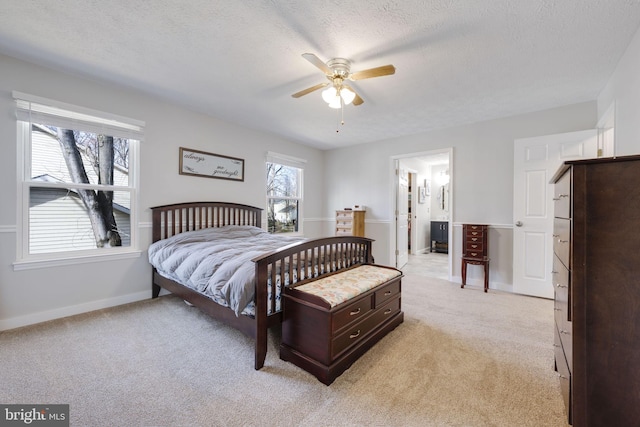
<point x="596" y="276"/>
<point x="475" y="250"/>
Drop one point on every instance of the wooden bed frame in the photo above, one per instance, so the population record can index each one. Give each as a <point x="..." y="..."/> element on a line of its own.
<point x="334" y="254"/>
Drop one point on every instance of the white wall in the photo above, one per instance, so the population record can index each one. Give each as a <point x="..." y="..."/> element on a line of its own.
<point x="482" y="177"/>
<point x="623" y="92"/>
<point x="35" y="295"/>
<point x="482" y="182"/>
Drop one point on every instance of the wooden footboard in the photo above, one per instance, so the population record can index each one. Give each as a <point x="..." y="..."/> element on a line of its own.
<point x="316" y="257"/>
<point x="311" y="258"/>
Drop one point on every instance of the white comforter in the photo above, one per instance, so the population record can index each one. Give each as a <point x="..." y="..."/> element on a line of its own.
<point x="216" y="261"/>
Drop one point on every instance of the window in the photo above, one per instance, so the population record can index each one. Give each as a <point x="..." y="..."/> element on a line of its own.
<point x="78" y="187"/>
<point x="284" y="193"/>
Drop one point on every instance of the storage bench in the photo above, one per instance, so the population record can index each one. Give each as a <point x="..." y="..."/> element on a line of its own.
<point x="328" y="323"/>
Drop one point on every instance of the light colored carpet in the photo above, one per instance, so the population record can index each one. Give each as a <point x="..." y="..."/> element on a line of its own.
<point x="461" y="358"/>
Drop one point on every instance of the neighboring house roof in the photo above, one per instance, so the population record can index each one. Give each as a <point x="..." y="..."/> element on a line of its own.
<point x="49" y="178"/>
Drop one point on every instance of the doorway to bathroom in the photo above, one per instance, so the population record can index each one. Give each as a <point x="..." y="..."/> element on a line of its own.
<point x="423" y="212"/>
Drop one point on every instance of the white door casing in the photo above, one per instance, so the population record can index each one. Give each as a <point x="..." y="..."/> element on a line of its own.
<point x="402" y="216"/>
<point x="535" y="162"/>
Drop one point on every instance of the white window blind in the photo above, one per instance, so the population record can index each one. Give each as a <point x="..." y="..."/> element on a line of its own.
<point x="283" y="159"/>
<point x="35" y="109"/>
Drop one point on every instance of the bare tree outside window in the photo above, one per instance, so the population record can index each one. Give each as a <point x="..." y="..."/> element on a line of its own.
<point x="104" y="153"/>
<point x="283" y="198"/>
<point x="78" y="181"/>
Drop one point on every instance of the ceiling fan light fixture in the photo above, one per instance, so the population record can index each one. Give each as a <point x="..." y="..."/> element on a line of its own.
<point x="335" y="102"/>
<point x="329" y="94"/>
<point x="347" y="95"/>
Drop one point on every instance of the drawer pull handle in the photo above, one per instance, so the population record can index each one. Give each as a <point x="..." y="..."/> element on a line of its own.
<point x="354" y="312"/>
<point x="563" y="195"/>
<point x="387" y="311"/>
<point x="558" y="285"/>
<point x="554" y="272"/>
<point x="563" y="241"/>
<point x="474" y="246"/>
<point x="387" y="293"/>
<point x="556" y="345"/>
<point x="564" y="332"/>
<point x="557" y="309"/>
<point x="474" y="239"/>
<point x="563" y="377"/>
<point x="355" y="335"/>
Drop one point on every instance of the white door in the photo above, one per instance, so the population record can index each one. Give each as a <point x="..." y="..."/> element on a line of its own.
<point x="413" y="215"/>
<point x="535" y="161"/>
<point x="402" y="216"/>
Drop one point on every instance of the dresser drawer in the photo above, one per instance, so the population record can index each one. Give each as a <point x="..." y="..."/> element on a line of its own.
<point x="474" y="227"/>
<point x="564" y="332"/>
<point x="344" y="223"/>
<point x="476" y="245"/>
<point x="344" y="215"/>
<point x="561" y="240"/>
<point x="344" y="229"/>
<point x="560" y="281"/>
<point x="564" y="375"/>
<point x="475" y="233"/>
<point x="343" y="232"/>
<point x="351" y="313"/>
<point x="359" y="331"/>
<point x="475" y="239"/>
<point x="561" y="197"/>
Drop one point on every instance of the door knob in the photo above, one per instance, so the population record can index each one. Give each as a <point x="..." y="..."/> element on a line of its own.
<point x="519" y="224"/>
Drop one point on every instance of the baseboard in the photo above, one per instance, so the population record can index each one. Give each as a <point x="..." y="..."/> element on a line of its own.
<point x="45" y="316"/>
<point x="479" y="283"/>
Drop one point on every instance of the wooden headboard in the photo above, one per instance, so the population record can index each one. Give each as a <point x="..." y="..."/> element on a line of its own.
<point x="169" y="220"/>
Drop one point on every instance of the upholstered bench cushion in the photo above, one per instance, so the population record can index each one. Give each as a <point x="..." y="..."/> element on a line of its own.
<point x="343" y="286"/>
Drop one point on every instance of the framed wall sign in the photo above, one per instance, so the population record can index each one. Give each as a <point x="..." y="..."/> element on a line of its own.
<point x="201" y="163"/>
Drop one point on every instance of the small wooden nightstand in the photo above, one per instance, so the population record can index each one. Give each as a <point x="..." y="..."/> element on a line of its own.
<point x="475" y="249"/>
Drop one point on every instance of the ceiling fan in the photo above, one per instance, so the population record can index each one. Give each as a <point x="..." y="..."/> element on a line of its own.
<point x="337" y="71"/>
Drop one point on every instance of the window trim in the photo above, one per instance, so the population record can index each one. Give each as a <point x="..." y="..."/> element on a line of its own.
<point x="133" y="131"/>
<point x="290" y="161"/>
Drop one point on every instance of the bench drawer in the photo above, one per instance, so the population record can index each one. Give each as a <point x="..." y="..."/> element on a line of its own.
<point x="351" y="313"/>
<point x="387" y="292"/>
<point x="359" y="331"/>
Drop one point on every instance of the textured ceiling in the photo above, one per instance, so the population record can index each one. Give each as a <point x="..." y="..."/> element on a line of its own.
<point x="457" y="61"/>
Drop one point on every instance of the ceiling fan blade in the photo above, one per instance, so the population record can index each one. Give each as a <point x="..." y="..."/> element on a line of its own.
<point x="385" y="70"/>
<point x="318" y="63"/>
<point x="309" y="90"/>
